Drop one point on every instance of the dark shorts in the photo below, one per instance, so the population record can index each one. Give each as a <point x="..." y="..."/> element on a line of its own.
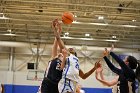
<point x="49" y="87"/>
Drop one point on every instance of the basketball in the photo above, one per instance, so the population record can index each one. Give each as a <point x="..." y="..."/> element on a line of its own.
<point x="67" y="17"/>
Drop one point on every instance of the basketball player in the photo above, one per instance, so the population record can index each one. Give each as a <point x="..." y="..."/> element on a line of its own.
<point x="72" y="71"/>
<point x="1" y="88"/>
<point x="126" y="73"/>
<point x="53" y="73"/>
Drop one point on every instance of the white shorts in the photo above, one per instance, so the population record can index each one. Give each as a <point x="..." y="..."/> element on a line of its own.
<point x="67" y="85"/>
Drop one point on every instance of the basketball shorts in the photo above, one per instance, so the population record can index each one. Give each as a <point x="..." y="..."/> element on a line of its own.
<point x="48" y="86"/>
<point x="66" y="85"/>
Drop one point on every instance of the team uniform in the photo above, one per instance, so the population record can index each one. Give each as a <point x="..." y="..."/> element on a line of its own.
<point x="52" y="76"/>
<point x="70" y="76"/>
<point x="126" y="81"/>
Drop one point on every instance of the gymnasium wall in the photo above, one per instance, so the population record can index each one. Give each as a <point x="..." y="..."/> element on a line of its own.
<point x="16" y="82"/>
<point x="14" y="76"/>
<point x="33" y="89"/>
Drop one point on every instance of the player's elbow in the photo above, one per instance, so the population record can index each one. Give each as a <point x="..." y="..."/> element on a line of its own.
<point x="83" y="77"/>
<point x="109" y="85"/>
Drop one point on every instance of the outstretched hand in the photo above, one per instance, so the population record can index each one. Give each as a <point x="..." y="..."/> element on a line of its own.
<point x="97" y="64"/>
<point x="112" y="48"/>
<point x="106" y="52"/>
<point x="99" y="69"/>
<point x="56" y="28"/>
<point x="56" y="25"/>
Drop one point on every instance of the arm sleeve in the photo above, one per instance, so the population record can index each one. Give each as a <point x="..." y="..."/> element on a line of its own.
<point x="128" y="72"/>
<point x="112" y="67"/>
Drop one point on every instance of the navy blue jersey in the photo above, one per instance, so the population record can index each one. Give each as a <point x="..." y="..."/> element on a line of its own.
<point x="126" y="75"/>
<point x="54" y="72"/>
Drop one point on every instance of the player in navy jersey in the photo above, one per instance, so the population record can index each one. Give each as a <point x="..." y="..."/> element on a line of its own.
<point x="53" y="73"/>
<point x="126" y="81"/>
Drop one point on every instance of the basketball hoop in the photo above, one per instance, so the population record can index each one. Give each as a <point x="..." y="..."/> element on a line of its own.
<point x="35" y="75"/>
<point x="35" y="78"/>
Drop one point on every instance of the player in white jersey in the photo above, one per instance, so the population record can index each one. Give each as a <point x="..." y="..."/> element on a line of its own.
<point x="71" y="71"/>
<point x="70" y="76"/>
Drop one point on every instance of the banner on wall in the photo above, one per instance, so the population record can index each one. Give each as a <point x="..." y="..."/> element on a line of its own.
<point x="122" y="56"/>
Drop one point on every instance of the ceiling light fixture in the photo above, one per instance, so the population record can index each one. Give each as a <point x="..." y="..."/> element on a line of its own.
<point x="100" y="17"/>
<point x="87" y="35"/>
<point x="75" y="15"/>
<point x="114" y="37"/>
<point x="105" y="24"/>
<point x="67" y="33"/>
<point x="75" y="22"/>
<point x="9" y="30"/>
<point x="134" y="20"/>
<point x="10" y="34"/>
<point x="3" y="17"/>
<point x="101" y="24"/>
<point x="111" y="40"/>
<point x="77" y="38"/>
<point x="129" y="26"/>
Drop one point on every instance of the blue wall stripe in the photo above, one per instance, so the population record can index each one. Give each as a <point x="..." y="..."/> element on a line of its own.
<point x="33" y="89"/>
<point x="97" y="90"/>
<point x="20" y="89"/>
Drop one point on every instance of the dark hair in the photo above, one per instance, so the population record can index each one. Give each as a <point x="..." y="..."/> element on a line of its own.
<point x="75" y="54"/>
<point x="138" y="72"/>
<point x="132" y="62"/>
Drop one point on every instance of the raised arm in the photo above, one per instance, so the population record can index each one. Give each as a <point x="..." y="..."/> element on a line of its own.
<point x="56" y="28"/>
<point x="55" y="44"/>
<point x="54" y="49"/>
<point x="127" y="71"/>
<point x="111" y="66"/>
<point x="100" y="71"/>
<point x="105" y="82"/>
<point x="102" y="79"/>
<point x="86" y="75"/>
<point x="64" y="52"/>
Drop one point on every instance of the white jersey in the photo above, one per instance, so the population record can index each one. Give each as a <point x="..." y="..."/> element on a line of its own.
<point x="71" y="70"/>
<point x="115" y="89"/>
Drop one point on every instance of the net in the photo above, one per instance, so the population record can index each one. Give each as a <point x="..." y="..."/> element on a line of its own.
<point x="37" y="75"/>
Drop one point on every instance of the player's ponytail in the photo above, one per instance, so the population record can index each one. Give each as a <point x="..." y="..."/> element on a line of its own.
<point x="138" y="72"/>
